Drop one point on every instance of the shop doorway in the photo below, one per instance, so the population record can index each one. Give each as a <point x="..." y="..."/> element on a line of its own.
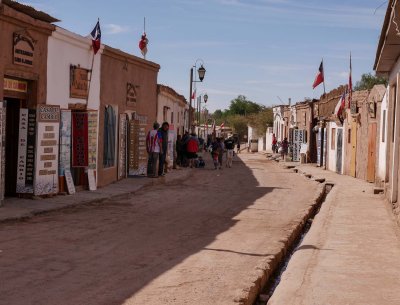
<point x="13" y="105"/>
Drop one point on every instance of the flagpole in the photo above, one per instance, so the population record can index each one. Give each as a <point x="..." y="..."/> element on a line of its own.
<point x="91" y="73"/>
<point x="144" y="32"/>
<point x="323" y="71"/>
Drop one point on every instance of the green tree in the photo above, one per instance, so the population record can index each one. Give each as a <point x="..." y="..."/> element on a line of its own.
<point x="368" y="81"/>
<point x="261" y="120"/>
<point x="238" y="123"/>
<point x="242" y="106"/>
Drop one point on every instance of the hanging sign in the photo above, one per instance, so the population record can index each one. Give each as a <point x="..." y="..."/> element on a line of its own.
<point x="30" y="154"/>
<point x="79" y="82"/>
<point x="22" y="151"/>
<point x="46" y="166"/>
<point x="23" y="49"/>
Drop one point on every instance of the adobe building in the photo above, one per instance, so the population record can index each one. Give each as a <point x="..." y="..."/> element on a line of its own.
<point x="24" y="36"/>
<point x="305" y="122"/>
<point x="128" y="109"/>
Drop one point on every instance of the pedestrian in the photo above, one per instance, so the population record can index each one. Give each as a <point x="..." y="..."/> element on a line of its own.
<point x="179" y="150"/>
<point x="153" y="146"/>
<point x="215" y="151"/>
<point x="192" y="148"/>
<point x="185" y="140"/>
<point x="221" y="154"/>
<point x="284" y="148"/>
<point x="229" y="145"/>
<point x="238" y="147"/>
<point x="274" y="144"/>
<point x="163" y="132"/>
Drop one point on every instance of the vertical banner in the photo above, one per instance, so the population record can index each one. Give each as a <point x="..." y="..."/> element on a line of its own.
<point x="2" y="148"/>
<point x="137" y="146"/>
<point x="92" y="139"/>
<point x="65" y="143"/>
<point x="80" y="139"/>
<point x="22" y="151"/>
<point x="122" y="146"/>
<point x="319" y="147"/>
<point x="46" y="166"/>
<point x="31" y="149"/>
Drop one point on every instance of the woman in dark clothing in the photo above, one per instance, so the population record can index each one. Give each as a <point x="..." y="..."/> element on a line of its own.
<point x="179" y="151"/>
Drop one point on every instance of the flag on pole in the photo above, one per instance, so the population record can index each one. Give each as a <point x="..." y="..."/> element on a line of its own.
<point x="194" y="94"/>
<point x="350" y="87"/>
<point x="96" y="37"/>
<point x="222" y="125"/>
<point x="143" y="44"/>
<point x="340" y="106"/>
<point x="319" y="78"/>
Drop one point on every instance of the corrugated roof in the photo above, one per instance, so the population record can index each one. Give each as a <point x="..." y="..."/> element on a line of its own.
<point x="30" y="11"/>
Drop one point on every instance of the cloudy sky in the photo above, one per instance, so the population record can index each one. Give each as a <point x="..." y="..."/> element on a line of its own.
<point x="263" y="49"/>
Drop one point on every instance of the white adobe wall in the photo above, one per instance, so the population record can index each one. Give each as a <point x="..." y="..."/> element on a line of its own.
<point x="66" y="48"/>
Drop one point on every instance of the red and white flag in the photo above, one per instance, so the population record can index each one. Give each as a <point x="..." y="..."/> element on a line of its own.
<point x="350" y="87"/>
<point x="193" y="94"/>
<point x="319" y="78"/>
<point x="222" y="125"/>
<point x="96" y="37"/>
<point x="340" y="106"/>
<point x="143" y="44"/>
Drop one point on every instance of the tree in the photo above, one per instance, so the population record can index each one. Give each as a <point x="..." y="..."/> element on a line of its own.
<point x="242" y="106"/>
<point x="239" y="124"/>
<point x="260" y="121"/>
<point x="368" y="81"/>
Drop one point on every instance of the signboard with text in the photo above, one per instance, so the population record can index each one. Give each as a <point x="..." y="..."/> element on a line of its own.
<point x="23" y="50"/>
<point x="79" y="82"/>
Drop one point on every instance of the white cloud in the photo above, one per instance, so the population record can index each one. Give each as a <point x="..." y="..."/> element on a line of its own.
<point x="113" y="29"/>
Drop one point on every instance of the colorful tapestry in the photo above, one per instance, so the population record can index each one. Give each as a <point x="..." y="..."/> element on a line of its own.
<point x="79" y="139"/>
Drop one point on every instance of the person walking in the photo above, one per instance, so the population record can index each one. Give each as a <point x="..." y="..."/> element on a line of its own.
<point x="274" y="144"/>
<point x="238" y="147"/>
<point x="163" y="132"/>
<point x="153" y="147"/>
<point x="284" y="148"/>
<point x="221" y="155"/>
<point x="229" y="145"/>
<point x="215" y="151"/>
<point x="185" y="140"/>
<point x="192" y="149"/>
<point x="179" y="150"/>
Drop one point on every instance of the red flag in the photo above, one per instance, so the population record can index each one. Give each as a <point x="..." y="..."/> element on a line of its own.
<point x="222" y="125"/>
<point x="96" y="37"/>
<point x="350" y="87"/>
<point x="340" y="106"/>
<point x="194" y="94"/>
<point x="319" y="78"/>
<point x="143" y="44"/>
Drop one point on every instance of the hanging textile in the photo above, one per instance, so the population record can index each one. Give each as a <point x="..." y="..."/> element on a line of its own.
<point x="79" y="139"/>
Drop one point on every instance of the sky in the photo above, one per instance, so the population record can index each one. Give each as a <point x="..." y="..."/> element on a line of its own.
<point x="266" y="50"/>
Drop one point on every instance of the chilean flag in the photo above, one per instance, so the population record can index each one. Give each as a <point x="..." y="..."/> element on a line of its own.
<point x="320" y="76"/>
<point x="143" y="44"/>
<point x="222" y="125"/>
<point x="96" y="37"/>
<point x="340" y="106"/>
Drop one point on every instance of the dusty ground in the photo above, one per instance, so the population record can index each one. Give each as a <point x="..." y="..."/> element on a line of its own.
<point x="200" y="242"/>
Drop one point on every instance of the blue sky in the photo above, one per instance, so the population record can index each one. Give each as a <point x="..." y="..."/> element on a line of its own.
<point x="258" y="48"/>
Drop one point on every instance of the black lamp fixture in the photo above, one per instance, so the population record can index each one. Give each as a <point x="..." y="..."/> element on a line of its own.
<point x="205" y="97"/>
<point x="202" y="72"/>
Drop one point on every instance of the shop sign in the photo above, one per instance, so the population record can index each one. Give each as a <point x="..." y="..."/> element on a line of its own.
<point x="70" y="182"/>
<point x="79" y="82"/>
<point x="48" y="113"/>
<point x="92" y="139"/>
<point x="131" y="95"/>
<point x="23" y="49"/>
<point x="22" y="151"/>
<point x="46" y="166"/>
<point x="15" y="85"/>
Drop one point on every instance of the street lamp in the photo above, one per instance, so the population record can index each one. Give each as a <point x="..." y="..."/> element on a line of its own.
<point x="201" y="71"/>
<point x="205" y="98"/>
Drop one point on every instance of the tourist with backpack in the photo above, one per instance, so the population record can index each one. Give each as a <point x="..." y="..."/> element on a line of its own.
<point x="192" y="148"/>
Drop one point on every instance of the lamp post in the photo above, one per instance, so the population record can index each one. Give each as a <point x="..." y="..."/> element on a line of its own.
<point x="201" y="71"/>
<point x="205" y="98"/>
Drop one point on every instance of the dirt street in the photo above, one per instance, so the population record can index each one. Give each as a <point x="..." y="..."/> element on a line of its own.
<point x="200" y="241"/>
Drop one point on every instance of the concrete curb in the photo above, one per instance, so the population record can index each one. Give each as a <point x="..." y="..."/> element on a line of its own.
<point x="271" y="265"/>
<point x="98" y="200"/>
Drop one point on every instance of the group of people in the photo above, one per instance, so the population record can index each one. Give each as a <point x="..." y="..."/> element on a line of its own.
<point x="189" y="150"/>
<point x="280" y="147"/>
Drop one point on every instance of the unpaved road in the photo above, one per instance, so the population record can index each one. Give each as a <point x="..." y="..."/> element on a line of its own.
<point x="201" y="241"/>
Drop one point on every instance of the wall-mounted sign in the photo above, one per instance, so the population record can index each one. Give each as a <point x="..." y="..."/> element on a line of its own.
<point x="79" y="82"/>
<point x="48" y="113"/>
<point x="137" y="146"/>
<point x="122" y="143"/>
<point x="131" y="95"/>
<point x="65" y="143"/>
<point x="15" y="85"/>
<point x="22" y="152"/>
<point x="23" y="49"/>
<point x="92" y="139"/>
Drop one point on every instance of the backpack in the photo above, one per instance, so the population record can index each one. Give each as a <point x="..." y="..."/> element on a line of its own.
<point x="192" y="146"/>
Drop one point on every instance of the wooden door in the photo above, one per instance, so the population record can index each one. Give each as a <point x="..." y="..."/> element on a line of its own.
<point x="372" y="128"/>
<point x="339" y="150"/>
<point x="353" y="148"/>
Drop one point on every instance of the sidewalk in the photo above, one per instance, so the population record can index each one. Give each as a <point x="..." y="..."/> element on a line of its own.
<point x="19" y="208"/>
<point x="351" y="254"/>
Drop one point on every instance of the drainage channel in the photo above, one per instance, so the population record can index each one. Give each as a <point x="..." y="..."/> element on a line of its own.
<point x="275" y="279"/>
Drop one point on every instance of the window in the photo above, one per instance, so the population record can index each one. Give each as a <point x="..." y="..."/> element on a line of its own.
<point x="165" y="113"/>
<point x="109" y="137"/>
<point x="383" y="126"/>
<point x="178" y="117"/>
<point x="333" y="138"/>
